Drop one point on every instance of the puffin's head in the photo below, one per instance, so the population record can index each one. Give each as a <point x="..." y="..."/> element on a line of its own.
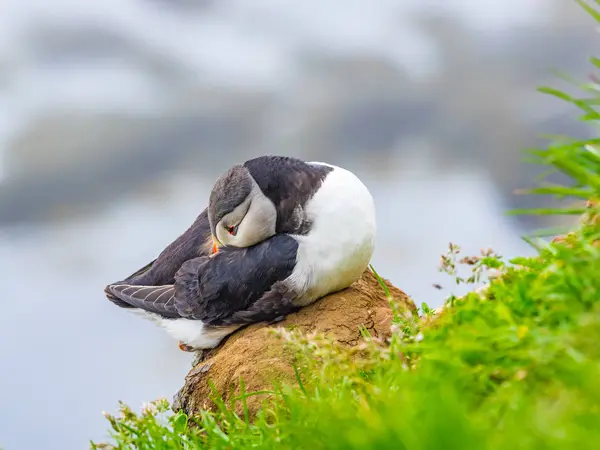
<point x="240" y="215"/>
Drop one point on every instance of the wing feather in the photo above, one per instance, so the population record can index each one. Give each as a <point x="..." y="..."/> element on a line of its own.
<point x="154" y="299"/>
<point x="214" y="289"/>
<point x="237" y="285"/>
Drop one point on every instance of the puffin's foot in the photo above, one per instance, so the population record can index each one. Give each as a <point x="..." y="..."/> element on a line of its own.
<point x="185" y="348"/>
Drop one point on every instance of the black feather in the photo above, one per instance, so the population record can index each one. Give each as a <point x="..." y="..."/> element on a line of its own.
<point x="237" y="285"/>
<point x="155" y="299"/>
<point x="274" y="304"/>
<point x="289" y="183"/>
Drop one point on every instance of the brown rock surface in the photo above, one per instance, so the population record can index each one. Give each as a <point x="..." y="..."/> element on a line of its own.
<point x="259" y="357"/>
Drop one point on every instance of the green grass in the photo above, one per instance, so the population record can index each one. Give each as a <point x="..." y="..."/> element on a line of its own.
<point x="513" y="366"/>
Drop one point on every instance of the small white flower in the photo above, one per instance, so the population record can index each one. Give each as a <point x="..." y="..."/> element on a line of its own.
<point x="149" y="408"/>
<point x="494" y="273"/>
<point x="419" y="337"/>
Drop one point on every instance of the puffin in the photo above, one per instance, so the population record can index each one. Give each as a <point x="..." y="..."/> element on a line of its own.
<point x="278" y="234"/>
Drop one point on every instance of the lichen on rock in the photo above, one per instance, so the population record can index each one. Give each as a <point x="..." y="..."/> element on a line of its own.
<point x="260" y="358"/>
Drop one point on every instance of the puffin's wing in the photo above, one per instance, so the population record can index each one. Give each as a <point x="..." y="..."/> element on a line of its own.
<point x="219" y="289"/>
<point x="275" y="304"/>
<point x="164" y="300"/>
<point x="236" y="285"/>
<point x="155" y="299"/>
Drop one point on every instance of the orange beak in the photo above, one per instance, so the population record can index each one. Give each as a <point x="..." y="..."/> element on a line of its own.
<point x="215" y="245"/>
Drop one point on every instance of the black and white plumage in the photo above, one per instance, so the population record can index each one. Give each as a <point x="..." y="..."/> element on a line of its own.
<point x="288" y="232"/>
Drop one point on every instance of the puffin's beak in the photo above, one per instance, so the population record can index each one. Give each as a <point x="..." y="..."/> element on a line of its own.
<point x="215" y="245"/>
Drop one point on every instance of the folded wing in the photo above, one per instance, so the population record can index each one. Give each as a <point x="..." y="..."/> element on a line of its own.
<point x="225" y="288"/>
<point x="194" y="242"/>
<point x="155" y="299"/>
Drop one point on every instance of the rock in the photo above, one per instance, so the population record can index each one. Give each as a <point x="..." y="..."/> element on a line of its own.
<point x="259" y="357"/>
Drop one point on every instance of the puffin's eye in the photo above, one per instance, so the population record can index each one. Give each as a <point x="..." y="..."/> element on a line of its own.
<point x="232" y="230"/>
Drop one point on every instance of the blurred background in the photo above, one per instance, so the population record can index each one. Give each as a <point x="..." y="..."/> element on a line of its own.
<point x="116" y="117"/>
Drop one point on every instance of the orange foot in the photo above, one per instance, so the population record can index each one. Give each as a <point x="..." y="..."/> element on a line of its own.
<point x="185" y="348"/>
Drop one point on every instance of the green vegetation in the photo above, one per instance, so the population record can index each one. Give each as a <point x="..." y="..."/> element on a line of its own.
<point x="514" y="365"/>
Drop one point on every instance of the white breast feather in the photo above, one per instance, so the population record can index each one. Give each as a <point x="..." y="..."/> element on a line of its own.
<point x="340" y="244"/>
